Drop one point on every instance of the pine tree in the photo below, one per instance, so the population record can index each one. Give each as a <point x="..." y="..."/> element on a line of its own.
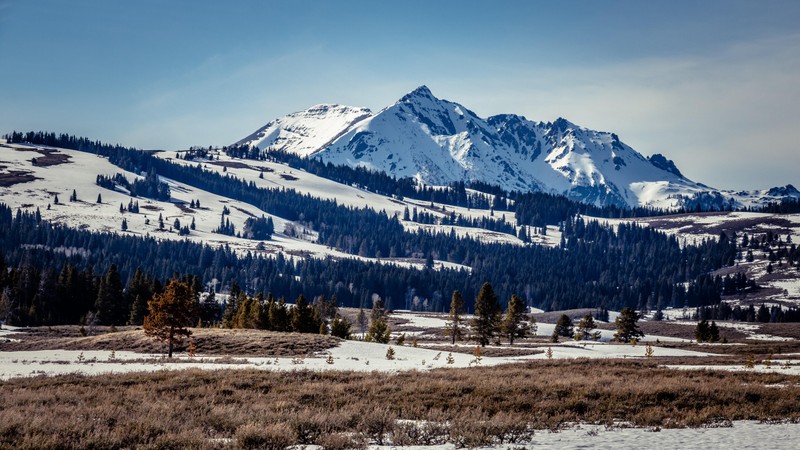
<point x="209" y="309"/>
<point x="302" y="317"/>
<point x="713" y="332"/>
<point x="124" y="225"/>
<point x="99" y="198"/>
<point x="585" y="327"/>
<point x="701" y="333"/>
<point x="171" y="313"/>
<point x="110" y="304"/>
<point x="278" y="316"/>
<point x="378" y="327"/>
<point x="564" y="328"/>
<point x="231" y="308"/>
<point x="363" y="322"/>
<point x="486" y="323"/>
<point x="515" y="321"/>
<point x="455" y="325"/>
<point x="340" y="327"/>
<point x="138" y="311"/>
<point x="626" y="326"/>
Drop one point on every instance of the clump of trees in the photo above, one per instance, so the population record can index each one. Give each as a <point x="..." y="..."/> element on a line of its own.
<point x="706" y="332"/>
<point x="269" y="313"/>
<point x="489" y="324"/>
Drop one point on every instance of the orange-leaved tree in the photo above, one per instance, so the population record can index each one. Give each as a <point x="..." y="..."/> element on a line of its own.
<point x="170" y="313"/>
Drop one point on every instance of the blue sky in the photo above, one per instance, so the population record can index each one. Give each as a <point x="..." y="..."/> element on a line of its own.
<point x="712" y="85"/>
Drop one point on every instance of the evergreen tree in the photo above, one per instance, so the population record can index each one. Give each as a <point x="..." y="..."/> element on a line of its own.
<point x="627" y="328"/>
<point x="564" y="328"/>
<point x="713" y="332"/>
<point x="231" y="308"/>
<point x="378" y="327"/>
<point x="278" y="316"/>
<point x="363" y="322"/>
<point x="701" y="332"/>
<point x="455" y="324"/>
<point x="515" y="321"/>
<point x="585" y="327"/>
<point x="110" y="303"/>
<point x="486" y="323"/>
<point x="171" y="313"/>
<point x="340" y="327"/>
<point x="99" y="198"/>
<point x="138" y="310"/>
<point x="302" y="317"/>
<point x="209" y="309"/>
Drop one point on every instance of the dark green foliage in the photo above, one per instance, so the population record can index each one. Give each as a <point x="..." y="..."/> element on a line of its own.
<point x="258" y="228"/>
<point x="210" y="311"/>
<point x="303" y="319"/>
<point x="564" y="328"/>
<point x="515" y="321"/>
<point x="112" y="308"/>
<point x="627" y="329"/>
<point x="486" y="324"/>
<point x="455" y="326"/>
<point x="378" y="327"/>
<point x="705" y="332"/>
<point x="585" y="327"/>
<point x="340" y="327"/>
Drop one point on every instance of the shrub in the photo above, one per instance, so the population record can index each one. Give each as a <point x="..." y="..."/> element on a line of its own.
<point x="269" y="437"/>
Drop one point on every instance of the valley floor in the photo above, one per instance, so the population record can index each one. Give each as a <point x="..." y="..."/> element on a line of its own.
<point x="260" y="389"/>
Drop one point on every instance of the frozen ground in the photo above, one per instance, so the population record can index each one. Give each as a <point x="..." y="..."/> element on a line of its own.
<point x="350" y="355"/>
<point x="733" y="435"/>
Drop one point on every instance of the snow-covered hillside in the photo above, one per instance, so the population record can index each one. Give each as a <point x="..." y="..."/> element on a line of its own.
<point x="438" y="142"/>
<point x="305" y="132"/>
<point x="31" y="186"/>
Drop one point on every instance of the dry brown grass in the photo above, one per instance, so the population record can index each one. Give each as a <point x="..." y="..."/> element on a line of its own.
<point x="470" y="407"/>
<point x="210" y="341"/>
<point x="675" y="330"/>
<point x="791" y="330"/>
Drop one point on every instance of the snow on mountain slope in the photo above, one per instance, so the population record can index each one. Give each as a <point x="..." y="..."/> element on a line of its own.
<point x="31" y="186"/>
<point x="78" y="172"/>
<point x="305" y="132"/>
<point x="438" y="142"/>
<point x="270" y="175"/>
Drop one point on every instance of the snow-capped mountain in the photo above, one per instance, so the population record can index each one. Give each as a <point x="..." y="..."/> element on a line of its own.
<point x="438" y="142"/>
<point x="305" y="132"/>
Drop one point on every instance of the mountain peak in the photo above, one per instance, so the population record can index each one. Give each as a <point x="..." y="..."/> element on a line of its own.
<point x="563" y="124"/>
<point x="420" y="92"/>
